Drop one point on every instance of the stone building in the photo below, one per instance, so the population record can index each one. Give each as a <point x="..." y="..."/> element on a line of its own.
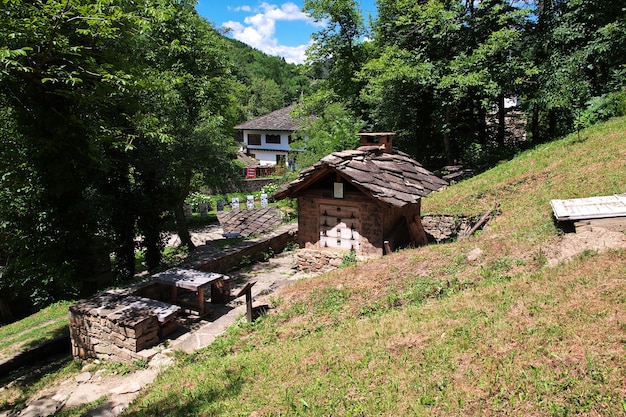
<point x="366" y="200"/>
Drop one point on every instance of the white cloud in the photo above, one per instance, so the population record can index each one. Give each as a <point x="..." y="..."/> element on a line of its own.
<point x="259" y="30"/>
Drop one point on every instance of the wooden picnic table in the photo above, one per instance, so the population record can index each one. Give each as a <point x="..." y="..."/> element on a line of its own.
<point x="188" y="279"/>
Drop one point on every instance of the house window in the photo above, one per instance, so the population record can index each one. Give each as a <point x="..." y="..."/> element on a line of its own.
<point x="290" y="139"/>
<point x="281" y="160"/>
<point x="254" y="139"/>
<point x="272" y="139"/>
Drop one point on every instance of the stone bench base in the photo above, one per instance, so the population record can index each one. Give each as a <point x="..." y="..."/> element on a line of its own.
<point x="118" y="325"/>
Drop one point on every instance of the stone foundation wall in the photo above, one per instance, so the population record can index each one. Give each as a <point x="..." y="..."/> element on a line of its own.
<point x="441" y="227"/>
<point x="312" y="260"/>
<point x="118" y="326"/>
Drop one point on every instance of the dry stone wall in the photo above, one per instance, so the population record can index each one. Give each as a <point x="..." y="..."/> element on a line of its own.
<point x="312" y="260"/>
<point x="115" y="326"/>
<point x="441" y="228"/>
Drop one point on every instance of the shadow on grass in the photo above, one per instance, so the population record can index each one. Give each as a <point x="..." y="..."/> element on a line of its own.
<point x="27" y="379"/>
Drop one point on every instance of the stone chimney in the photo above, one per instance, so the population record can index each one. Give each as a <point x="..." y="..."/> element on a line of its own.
<point x="380" y="140"/>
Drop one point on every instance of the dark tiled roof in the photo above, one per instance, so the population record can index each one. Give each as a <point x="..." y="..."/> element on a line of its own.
<point x="276" y="120"/>
<point x="250" y="222"/>
<point x="393" y="178"/>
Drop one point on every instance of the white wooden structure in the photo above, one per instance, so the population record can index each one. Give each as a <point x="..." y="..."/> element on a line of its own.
<point x="602" y="207"/>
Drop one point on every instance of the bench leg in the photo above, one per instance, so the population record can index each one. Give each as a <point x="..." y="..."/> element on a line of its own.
<point x="201" y="301"/>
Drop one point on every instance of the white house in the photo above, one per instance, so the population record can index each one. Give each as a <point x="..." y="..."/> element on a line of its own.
<point x="267" y="137"/>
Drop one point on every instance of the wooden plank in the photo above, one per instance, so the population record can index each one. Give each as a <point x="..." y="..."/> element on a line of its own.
<point x="589" y="208"/>
<point x="418" y="234"/>
<point x="247" y="287"/>
<point x="481" y="222"/>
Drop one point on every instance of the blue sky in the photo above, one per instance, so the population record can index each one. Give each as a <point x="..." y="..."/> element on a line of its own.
<point x="276" y="27"/>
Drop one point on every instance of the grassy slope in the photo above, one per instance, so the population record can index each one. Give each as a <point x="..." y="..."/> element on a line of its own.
<point x="29" y="332"/>
<point x="428" y="332"/>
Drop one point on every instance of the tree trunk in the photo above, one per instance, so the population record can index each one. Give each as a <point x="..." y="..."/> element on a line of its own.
<point x="6" y="316"/>
<point x="181" y="226"/>
<point x="535" y="124"/>
<point x="501" y="120"/>
<point x="125" y="253"/>
<point x="150" y="228"/>
<point x="482" y="125"/>
<point x="179" y="214"/>
<point x="446" y="137"/>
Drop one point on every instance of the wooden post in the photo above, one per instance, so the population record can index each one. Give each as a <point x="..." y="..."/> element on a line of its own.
<point x="247" y="290"/>
<point x="249" y="305"/>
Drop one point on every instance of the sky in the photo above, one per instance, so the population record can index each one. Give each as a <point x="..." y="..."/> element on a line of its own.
<point x="276" y="27"/>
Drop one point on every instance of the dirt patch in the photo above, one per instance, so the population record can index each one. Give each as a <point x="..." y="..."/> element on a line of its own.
<point x="199" y="236"/>
<point x="592" y="239"/>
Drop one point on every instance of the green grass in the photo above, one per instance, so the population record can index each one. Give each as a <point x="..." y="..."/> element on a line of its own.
<point x="37" y="328"/>
<point x="428" y="332"/>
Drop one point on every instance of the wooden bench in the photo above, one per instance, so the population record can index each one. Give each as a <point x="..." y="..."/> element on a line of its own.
<point x="188" y="279"/>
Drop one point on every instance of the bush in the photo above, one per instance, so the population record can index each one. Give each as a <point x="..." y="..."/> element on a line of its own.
<point x="195" y="199"/>
<point x="603" y="107"/>
<point x="270" y="188"/>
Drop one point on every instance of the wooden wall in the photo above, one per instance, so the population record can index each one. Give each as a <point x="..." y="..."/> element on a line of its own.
<point x="376" y="220"/>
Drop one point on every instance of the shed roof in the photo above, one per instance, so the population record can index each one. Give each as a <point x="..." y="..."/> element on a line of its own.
<point x="278" y="120"/>
<point x="590" y="208"/>
<point x="393" y="178"/>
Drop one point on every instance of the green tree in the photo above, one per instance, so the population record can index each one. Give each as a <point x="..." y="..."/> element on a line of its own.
<point x="65" y="65"/>
<point x="340" y="49"/>
<point x="580" y="49"/>
<point x="440" y="67"/>
<point x="326" y="127"/>
<point x="108" y="107"/>
<point x="265" y="96"/>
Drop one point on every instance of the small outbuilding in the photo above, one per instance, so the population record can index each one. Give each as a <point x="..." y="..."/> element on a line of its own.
<point x="366" y="200"/>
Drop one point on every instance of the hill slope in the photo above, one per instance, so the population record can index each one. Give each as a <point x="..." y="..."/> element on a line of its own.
<point x="435" y="331"/>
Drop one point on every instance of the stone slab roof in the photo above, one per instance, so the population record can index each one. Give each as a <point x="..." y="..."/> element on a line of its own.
<point x="249" y="222"/>
<point x="278" y="120"/>
<point x="393" y="178"/>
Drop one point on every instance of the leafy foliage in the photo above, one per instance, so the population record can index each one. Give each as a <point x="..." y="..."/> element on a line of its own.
<point x="437" y="72"/>
<point x="326" y="127"/>
<point x="108" y="112"/>
<point x="265" y="83"/>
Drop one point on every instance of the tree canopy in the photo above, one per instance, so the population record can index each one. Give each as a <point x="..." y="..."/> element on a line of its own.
<point x="437" y="72"/>
<point x="108" y="109"/>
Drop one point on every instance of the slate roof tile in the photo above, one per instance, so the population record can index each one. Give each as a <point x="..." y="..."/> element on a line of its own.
<point x="393" y="178"/>
<point x="278" y="120"/>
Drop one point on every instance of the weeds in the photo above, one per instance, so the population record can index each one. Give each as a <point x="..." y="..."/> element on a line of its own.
<point x="349" y="259"/>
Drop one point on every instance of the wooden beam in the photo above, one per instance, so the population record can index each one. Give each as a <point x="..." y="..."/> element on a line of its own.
<point x="481" y="222"/>
<point x="418" y="234"/>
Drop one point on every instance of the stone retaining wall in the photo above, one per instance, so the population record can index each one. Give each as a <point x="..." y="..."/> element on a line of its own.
<point x="312" y="260"/>
<point x="441" y="228"/>
<point x="248" y="250"/>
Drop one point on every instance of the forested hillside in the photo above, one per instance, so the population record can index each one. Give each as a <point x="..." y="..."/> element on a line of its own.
<point x="268" y="82"/>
